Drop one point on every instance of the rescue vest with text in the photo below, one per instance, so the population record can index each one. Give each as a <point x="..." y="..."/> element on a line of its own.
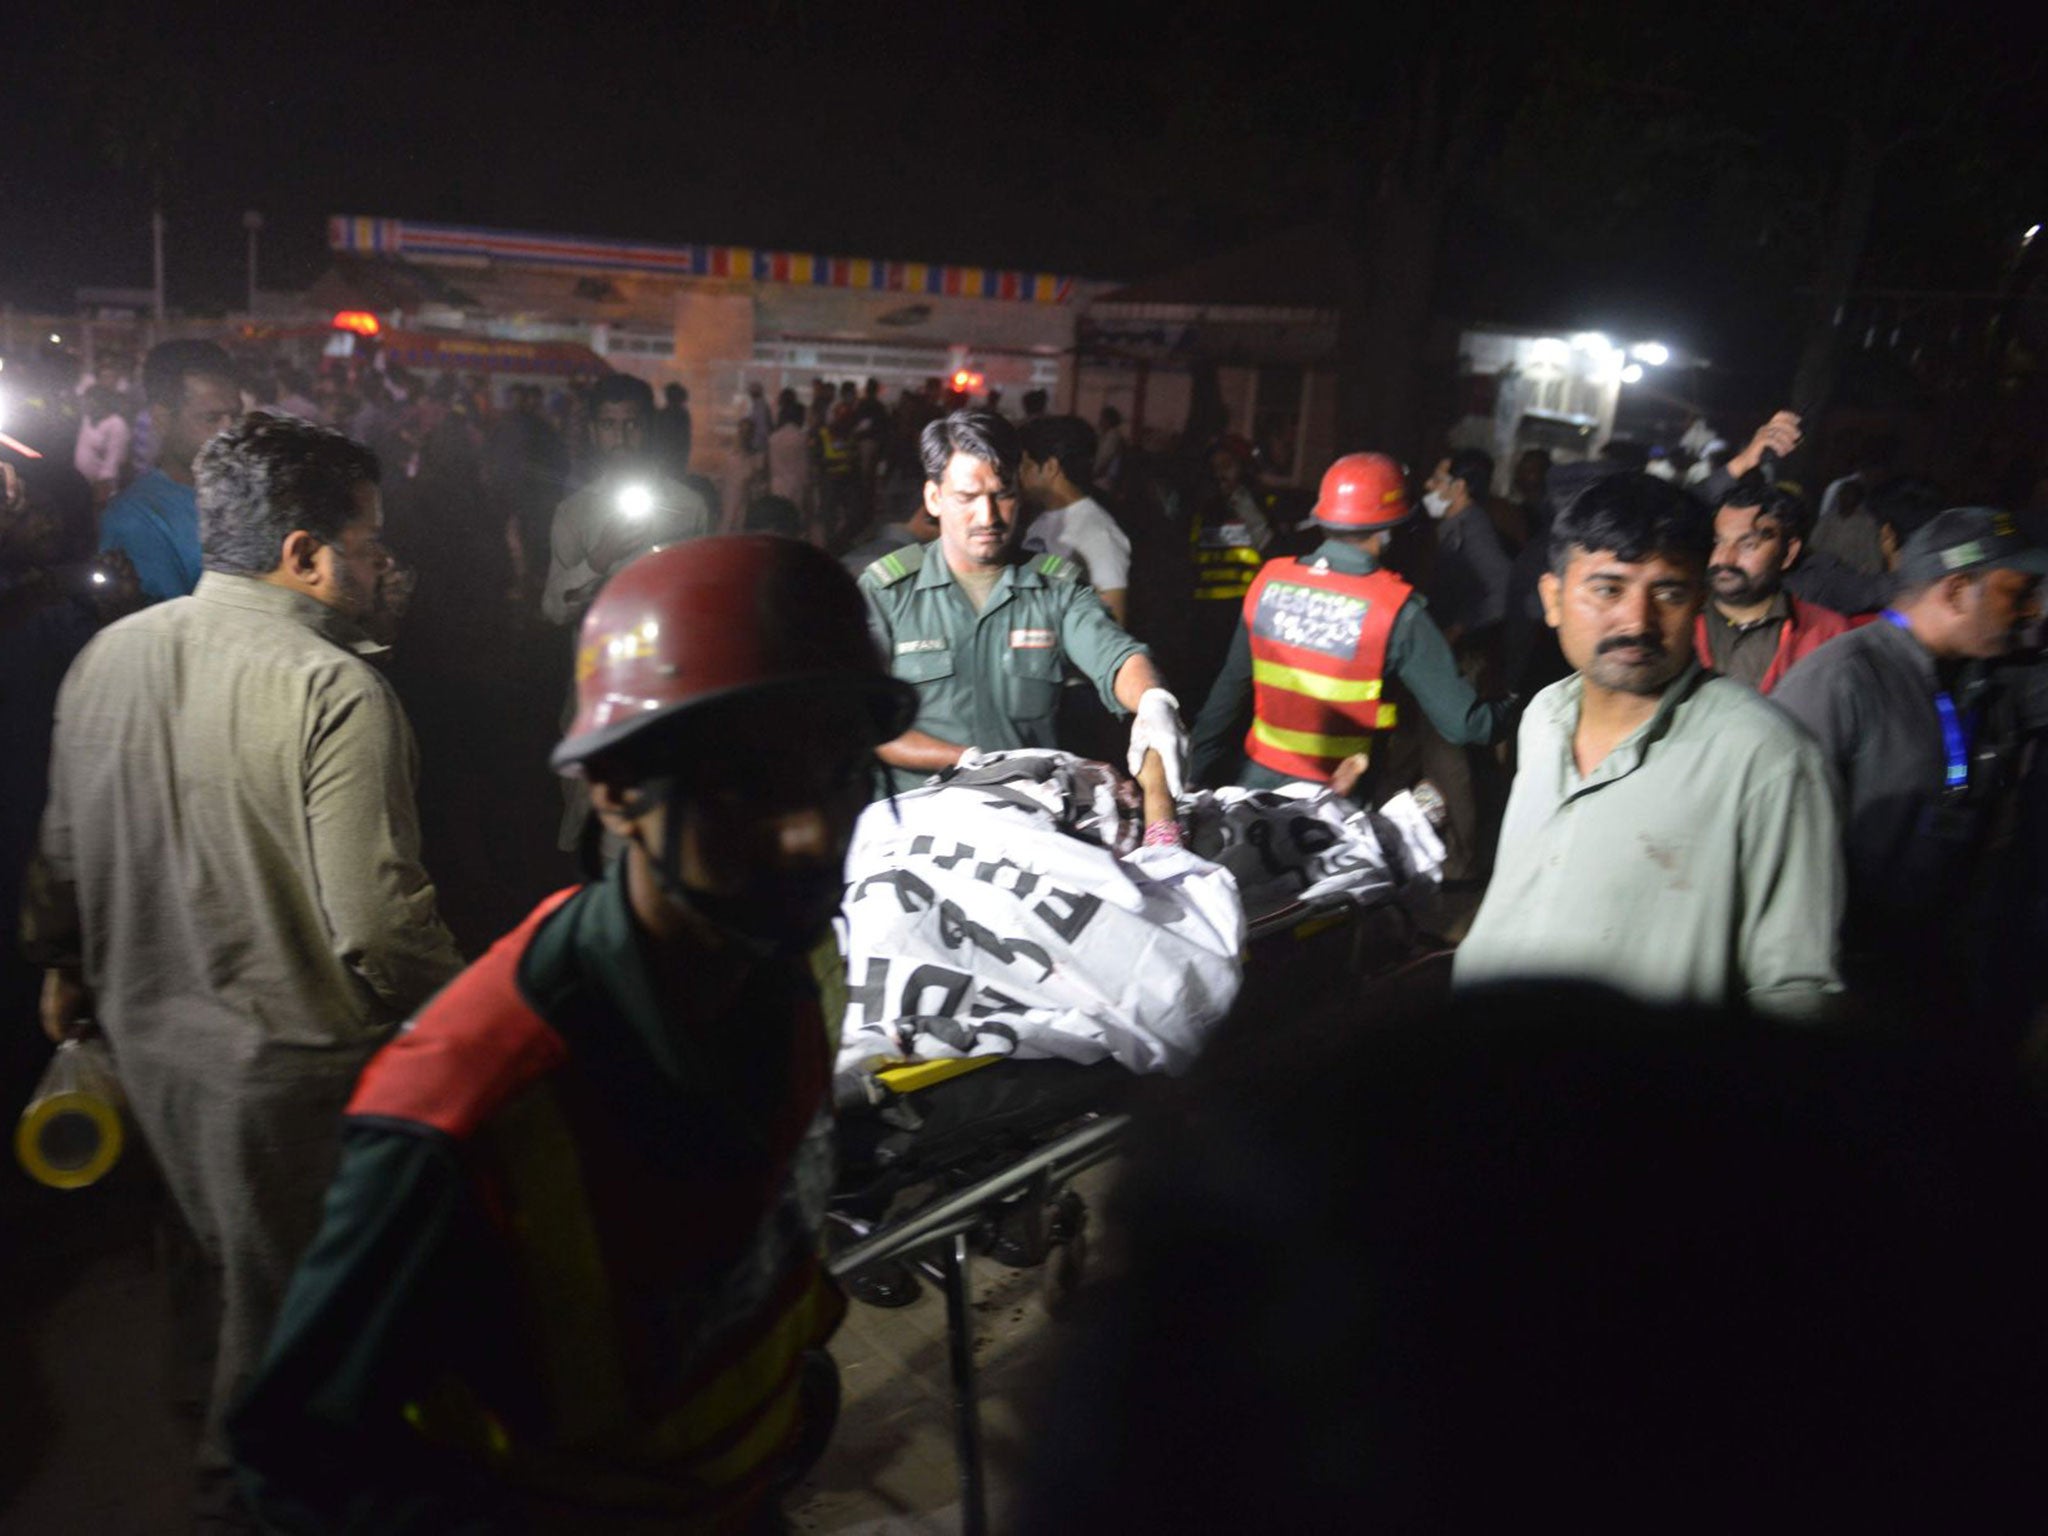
<point x="1319" y="660"/>
<point x="667" y="1307"/>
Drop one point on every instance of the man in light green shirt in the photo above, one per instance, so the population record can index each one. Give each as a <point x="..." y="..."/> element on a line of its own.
<point x="1669" y="833"/>
<point x="983" y="635"/>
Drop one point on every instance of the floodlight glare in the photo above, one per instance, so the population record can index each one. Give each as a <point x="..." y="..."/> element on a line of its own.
<point x="1632" y="374"/>
<point x="1655" y="353"/>
<point x="635" y="501"/>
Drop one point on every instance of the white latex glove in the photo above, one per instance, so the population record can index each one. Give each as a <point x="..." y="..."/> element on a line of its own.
<point x="1157" y="727"/>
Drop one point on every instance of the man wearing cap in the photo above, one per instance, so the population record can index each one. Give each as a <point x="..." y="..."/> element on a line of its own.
<point x="984" y="635"/>
<point x="569" y="1276"/>
<point x="1316" y="640"/>
<point x="1924" y="739"/>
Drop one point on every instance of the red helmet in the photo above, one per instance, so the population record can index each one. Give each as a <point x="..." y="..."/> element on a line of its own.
<point x="687" y="624"/>
<point x="1363" y="492"/>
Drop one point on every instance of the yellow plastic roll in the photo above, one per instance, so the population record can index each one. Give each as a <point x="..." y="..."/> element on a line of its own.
<point x="70" y="1134"/>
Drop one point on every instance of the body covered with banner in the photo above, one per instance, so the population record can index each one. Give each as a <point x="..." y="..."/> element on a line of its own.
<point x="1007" y="910"/>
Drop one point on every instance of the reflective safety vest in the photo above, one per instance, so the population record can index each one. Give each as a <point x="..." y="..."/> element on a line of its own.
<point x="835" y="451"/>
<point x="667" y="1309"/>
<point x="1319" y="660"/>
<point x="1225" y="557"/>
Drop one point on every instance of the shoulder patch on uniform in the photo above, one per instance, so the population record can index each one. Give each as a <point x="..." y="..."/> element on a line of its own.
<point x="894" y="566"/>
<point x="1058" y="567"/>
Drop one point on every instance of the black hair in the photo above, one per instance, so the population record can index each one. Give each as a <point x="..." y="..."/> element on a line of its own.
<point x="1066" y="438"/>
<point x="269" y="476"/>
<point x="1112" y="417"/>
<point x="675" y="392"/>
<point x="169" y="363"/>
<point x="1906" y="502"/>
<point x="1780" y="503"/>
<point x="1474" y="466"/>
<point x="980" y="435"/>
<point x="1635" y="515"/>
<point x="622" y="389"/>
<point x="789" y="412"/>
<point x="1035" y="402"/>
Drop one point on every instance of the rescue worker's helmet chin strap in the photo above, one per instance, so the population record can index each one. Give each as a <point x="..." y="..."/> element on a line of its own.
<point x="667" y="867"/>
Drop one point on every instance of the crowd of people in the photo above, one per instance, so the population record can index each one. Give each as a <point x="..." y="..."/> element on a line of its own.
<point x="283" y="655"/>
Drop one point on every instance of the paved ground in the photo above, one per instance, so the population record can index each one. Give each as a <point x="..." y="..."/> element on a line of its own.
<point x="91" y="1443"/>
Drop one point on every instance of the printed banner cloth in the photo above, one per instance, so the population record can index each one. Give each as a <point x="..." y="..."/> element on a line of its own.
<point x="992" y="913"/>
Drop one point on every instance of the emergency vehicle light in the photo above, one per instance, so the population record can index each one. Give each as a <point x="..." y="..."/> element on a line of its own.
<point x="966" y="382"/>
<point x="361" y="321"/>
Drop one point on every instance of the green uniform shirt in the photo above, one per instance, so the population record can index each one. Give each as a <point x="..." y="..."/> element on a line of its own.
<point x="1418" y="657"/>
<point x="1700" y="862"/>
<point x="991" y="679"/>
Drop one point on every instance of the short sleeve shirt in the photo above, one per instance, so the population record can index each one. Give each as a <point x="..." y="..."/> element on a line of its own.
<point x="1085" y="533"/>
<point x="592" y="537"/>
<point x="991" y="679"/>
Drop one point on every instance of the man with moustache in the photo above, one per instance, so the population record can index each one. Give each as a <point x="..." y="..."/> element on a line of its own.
<point x="1669" y="833"/>
<point x="1925" y="734"/>
<point x="229" y="884"/>
<point x="983" y="635"/>
<point x="1753" y="630"/>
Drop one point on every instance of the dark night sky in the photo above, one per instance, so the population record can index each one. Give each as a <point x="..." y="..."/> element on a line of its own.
<point x="951" y="134"/>
<point x="1099" y="141"/>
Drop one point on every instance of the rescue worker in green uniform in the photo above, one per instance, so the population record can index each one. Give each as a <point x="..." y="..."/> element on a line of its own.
<point x="1317" y="640"/>
<point x="983" y="633"/>
<point x="1228" y="538"/>
<point x="569" y="1278"/>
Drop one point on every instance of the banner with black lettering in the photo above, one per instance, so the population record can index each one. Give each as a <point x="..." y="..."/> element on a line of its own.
<point x="975" y="928"/>
<point x="1300" y="843"/>
<point x="1005" y="910"/>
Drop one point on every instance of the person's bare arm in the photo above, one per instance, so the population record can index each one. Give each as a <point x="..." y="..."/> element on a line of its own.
<point x="1135" y="676"/>
<point x="920" y="752"/>
<point x="1781" y="434"/>
<point x="66" y="1005"/>
<point x="1117" y="601"/>
<point x="1158" y="799"/>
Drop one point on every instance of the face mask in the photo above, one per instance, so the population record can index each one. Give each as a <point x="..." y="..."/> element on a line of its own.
<point x="782" y="913"/>
<point x="1436" y="503"/>
<point x="778" y="912"/>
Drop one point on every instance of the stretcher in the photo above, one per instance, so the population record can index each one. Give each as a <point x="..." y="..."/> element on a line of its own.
<point x="986" y="1149"/>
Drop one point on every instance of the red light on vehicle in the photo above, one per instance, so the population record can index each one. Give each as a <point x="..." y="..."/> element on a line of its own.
<point x="361" y="321"/>
<point x="966" y="383"/>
